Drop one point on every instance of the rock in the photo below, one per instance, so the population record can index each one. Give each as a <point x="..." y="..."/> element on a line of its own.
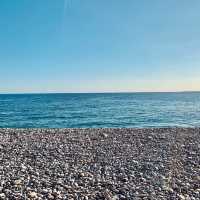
<point x="50" y="196"/>
<point x="115" y="197"/>
<point x="23" y="168"/>
<point x="32" y="195"/>
<point x="82" y="174"/>
<point x="45" y="191"/>
<point x="18" y="182"/>
<point x="108" y="195"/>
<point x="86" y="198"/>
<point x="104" y="135"/>
<point x="76" y="185"/>
<point x="182" y="197"/>
<point x="2" y="196"/>
<point x="59" y="182"/>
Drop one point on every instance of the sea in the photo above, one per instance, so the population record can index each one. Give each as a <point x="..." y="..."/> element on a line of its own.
<point x="97" y="110"/>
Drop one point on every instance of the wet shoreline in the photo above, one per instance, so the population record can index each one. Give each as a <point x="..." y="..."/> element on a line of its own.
<point x="111" y="164"/>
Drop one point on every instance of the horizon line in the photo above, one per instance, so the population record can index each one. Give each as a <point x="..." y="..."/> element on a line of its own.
<point x="103" y="92"/>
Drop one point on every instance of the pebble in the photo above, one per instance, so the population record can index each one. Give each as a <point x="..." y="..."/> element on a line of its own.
<point x="2" y="196"/>
<point x="111" y="164"/>
<point x="18" y="182"/>
<point x="50" y="196"/>
<point x="32" y="195"/>
<point x="182" y="197"/>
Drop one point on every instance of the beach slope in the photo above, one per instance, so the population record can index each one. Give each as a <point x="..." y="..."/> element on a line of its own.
<point x="100" y="163"/>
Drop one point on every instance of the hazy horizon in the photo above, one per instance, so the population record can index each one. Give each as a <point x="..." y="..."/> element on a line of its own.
<point x="103" y="92"/>
<point x="71" y="46"/>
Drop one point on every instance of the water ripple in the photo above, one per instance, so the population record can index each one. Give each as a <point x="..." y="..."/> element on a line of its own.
<point x="100" y="110"/>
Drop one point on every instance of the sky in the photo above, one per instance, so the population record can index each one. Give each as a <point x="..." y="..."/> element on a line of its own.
<point x="99" y="45"/>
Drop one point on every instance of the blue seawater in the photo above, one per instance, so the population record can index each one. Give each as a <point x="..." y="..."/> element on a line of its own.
<point x="100" y="110"/>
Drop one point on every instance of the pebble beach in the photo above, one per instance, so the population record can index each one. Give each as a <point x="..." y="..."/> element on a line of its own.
<point x="110" y="164"/>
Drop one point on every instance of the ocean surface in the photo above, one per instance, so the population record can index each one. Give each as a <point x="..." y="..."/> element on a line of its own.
<point x="100" y="110"/>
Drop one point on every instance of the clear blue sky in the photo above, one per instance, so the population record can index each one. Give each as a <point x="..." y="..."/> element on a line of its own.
<point x="99" y="45"/>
